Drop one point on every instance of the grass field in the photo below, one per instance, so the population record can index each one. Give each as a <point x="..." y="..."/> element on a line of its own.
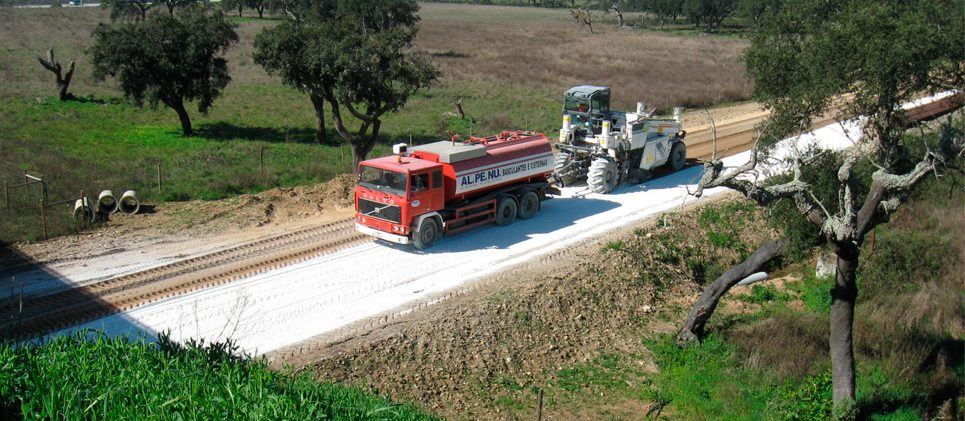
<point x="510" y="65"/>
<point x="83" y="378"/>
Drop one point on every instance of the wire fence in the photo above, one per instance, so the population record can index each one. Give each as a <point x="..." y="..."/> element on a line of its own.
<point x="41" y="202"/>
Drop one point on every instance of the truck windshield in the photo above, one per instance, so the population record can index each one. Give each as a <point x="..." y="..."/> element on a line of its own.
<point x="574" y="105"/>
<point x="383" y="180"/>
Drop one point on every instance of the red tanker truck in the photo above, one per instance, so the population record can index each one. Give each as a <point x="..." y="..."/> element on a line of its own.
<point x="419" y="194"/>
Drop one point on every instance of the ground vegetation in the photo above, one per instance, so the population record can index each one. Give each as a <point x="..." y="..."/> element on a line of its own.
<point x="814" y="53"/>
<point x="92" y="376"/>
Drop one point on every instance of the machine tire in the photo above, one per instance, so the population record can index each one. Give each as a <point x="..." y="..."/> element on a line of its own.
<point x="603" y="176"/>
<point x="528" y="205"/>
<point x="427" y="234"/>
<point x="506" y="211"/>
<point x="678" y="156"/>
<point x="561" y="161"/>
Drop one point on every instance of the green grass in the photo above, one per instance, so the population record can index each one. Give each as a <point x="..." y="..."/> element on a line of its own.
<point x="106" y="379"/>
<point x="814" y="291"/>
<point x="704" y="379"/>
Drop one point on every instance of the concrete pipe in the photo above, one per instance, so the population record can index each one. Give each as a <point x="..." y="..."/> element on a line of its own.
<point x="79" y="209"/>
<point x="129" y="203"/>
<point x="106" y="204"/>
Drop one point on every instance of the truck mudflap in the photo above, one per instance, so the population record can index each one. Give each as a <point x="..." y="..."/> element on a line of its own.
<point x="382" y="235"/>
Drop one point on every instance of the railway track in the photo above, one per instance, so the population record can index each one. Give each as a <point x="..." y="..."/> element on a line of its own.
<point x="31" y="316"/>
<point x="735" y="136"/>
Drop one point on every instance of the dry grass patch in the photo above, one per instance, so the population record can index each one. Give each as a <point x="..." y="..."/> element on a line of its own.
<point x="543" y="48"/>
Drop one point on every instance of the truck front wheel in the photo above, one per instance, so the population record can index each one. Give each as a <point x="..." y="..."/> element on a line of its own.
<point x="506" y="211"/>
<point x="426" y="234"/>
<point x="603" y="176"/>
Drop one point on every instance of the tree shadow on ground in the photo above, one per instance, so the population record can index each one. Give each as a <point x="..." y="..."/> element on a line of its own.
<point x="226" y="131"/>
<point x="222" y="131"/>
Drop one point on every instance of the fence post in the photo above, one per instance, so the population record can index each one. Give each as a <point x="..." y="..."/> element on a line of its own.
<point x="83" y="208"/>
<point x="261" y="160"/>
<point x="26" y="182"/>
<point x="539" y="407"/>
<point x="159" y="177"/>
<point x="6" y="195"/>
<point x="43" y="218"/>
<point x="43" y="185"/>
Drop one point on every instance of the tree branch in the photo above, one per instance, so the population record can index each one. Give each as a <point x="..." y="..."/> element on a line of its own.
<point x="693" y="327"/>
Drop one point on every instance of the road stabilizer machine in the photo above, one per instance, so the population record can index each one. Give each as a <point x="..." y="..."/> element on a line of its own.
<point x="417" y="195"/>
<point x="607" y="147"/>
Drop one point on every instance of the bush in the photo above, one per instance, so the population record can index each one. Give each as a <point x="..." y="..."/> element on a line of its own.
<point x="809" y="400"/>
<point x="902" y="260"/>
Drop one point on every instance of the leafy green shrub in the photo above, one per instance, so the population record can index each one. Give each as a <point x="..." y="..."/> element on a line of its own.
<point x="809" y="400"/>
<point x="761" y="294"/>
<point x="615" y="245"/>
<point x="814" y="292"/>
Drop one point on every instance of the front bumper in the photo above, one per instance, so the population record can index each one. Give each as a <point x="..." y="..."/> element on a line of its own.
<point x="382" y="235"/>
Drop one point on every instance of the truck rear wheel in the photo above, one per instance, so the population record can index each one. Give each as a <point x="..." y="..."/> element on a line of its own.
<point x="603" y="176"/>
<point x="506" y="211"/>
<point x="528" y="205"/>
<point x="426" y="234"/>
<point x="678" y="156"/>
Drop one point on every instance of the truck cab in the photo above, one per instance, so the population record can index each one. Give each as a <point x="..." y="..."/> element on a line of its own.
<point x="394" y="194"/>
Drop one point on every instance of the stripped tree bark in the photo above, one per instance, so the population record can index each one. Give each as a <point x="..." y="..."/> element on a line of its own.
<point x="63" y="80"/>
<point x="693" y="328"/>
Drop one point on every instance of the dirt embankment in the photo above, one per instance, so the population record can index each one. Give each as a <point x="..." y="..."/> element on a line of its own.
<point x="482" y="355"/>
<point x="199" y="225"/>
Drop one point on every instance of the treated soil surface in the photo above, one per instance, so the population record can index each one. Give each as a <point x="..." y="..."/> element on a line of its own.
<point x="177" y="228"/>
<point x="484" y="353"/>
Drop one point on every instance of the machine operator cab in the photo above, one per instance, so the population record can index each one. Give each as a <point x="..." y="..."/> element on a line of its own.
<point x="587" y="106"/>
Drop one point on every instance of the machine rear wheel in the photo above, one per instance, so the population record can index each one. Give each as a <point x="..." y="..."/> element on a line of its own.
<point x="561" y="169"/>
<point x="506" y="211"/>
<point x="603" y="176"/>
<point x="426" y="234"/>
<point x="678" y="156"/>
<point x="528" y="205"/>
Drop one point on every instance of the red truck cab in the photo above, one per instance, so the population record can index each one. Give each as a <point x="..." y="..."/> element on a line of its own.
<point x="394" y="191"/>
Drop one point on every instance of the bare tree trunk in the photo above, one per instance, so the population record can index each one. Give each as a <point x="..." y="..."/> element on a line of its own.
<point x="63" y="80"/>
<point x="693" y="328"/>
<point x="616" y="10"/>
<point x="319" y="103"/>
<point x="459" y="111"/>
<point x="178" y="107"/>
<point x="843" y="299"/>
<point x="361" y="149"/>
